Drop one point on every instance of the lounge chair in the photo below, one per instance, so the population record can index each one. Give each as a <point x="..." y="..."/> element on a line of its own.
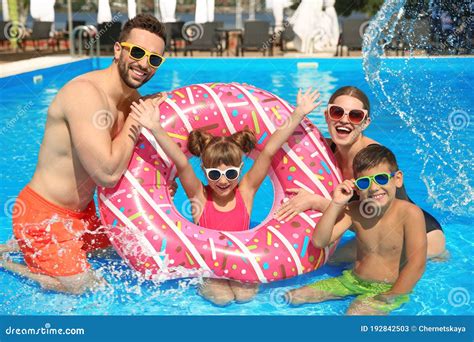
<point x="208" y="40"/>
<point x="3" y="36"/>
<point x="174" y="35"/>
<point x="109" y="34"/>
<point x="351" y="35"/>
<point x="416" y="35"/>
<point x="41" y="31"/>
<point x="255" y="37"/>
<point x="64" y="36"/>
<point x="287" y="35"/>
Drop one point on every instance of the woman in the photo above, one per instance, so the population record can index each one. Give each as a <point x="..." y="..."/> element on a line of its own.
<point x="347" y="116"/>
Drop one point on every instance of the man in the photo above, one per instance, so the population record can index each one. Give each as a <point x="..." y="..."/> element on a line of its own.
<point x="88" y="142"/>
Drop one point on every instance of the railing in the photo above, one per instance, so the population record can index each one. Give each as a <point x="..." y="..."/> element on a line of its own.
<point x="86" y="31"/>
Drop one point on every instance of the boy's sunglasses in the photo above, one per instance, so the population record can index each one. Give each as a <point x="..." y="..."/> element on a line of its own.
<point x="137" y="53"/>
<point x="356" y="116"/>
<point x="363" y="183"/>
<point x="231" y="173"/>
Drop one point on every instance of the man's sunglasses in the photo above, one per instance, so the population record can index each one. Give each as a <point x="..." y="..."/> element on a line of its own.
<point x="137" y="53"/>
<point x="230" y="173"/>
<point x="356" y="116"/>
<point x="363" y="183"/>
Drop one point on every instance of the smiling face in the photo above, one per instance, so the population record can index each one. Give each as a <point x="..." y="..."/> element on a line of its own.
<point x="344" y="132"/>
<point x="136" y="73"/>
<point x="223" y="187"/>
<point x="382" y="194"/>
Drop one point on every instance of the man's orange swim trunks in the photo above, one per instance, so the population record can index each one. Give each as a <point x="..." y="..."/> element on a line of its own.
<point x="55" y="240"/>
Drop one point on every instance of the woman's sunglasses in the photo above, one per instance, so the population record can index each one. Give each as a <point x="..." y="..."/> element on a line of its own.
<point x="230" y="173"/>
<point x="363" y="183"/>
<point x="137" y="53"/>
<point x="356" y="116"/>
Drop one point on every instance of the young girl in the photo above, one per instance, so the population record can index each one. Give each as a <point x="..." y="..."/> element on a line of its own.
<point x="226" y="203"/>
<point x="347" y="116"/>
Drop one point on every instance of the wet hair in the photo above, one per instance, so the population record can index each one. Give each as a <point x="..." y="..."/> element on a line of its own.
<point x="354" y="92"/>
<point x="145" y="22"/>
<point x="372" y="156"/>
<point x="215" y="150"/>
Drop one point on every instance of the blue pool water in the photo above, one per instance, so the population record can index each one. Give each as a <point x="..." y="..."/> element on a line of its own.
<point x="433" y="150"/>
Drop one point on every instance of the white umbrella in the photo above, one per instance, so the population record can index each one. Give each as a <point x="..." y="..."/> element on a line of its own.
<point x="310" y="26"/>
<point x="238" y="14"/>
<point x="42" y="10"/>
<point x="204" y="11"/>
<point x="252" y="10"/>
<point x="132" y="9"/>
<point x="168" y="11"/>
<point x="104" y="14"/>
<point x="331" y="15"/>
<point x="6" y="16"/>
<point x="277" y="7"/>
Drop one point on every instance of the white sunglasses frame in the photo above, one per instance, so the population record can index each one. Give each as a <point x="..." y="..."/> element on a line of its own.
<point x="222" y="172"/>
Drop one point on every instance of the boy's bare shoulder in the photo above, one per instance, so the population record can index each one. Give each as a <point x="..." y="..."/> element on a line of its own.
<point x="408" y="210"/>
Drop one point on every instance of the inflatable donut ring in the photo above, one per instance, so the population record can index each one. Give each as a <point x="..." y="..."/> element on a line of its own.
<point x="156" y="240"/>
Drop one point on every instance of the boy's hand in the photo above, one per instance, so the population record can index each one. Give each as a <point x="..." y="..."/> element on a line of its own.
<point x="306" y="102"/>
<point x="147" y="112"/>
<point x="343" y="192"/>
<point x="388" y="298"/>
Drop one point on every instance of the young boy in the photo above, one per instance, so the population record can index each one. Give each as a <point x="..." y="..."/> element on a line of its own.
<point x="386" y="229"/>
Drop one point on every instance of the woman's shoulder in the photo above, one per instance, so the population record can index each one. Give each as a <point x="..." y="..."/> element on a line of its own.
<point x="369" y="141"/>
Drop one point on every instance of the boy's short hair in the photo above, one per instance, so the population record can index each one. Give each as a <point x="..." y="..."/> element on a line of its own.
<point x="145" y="22"/>
<point x="371" y="156"/>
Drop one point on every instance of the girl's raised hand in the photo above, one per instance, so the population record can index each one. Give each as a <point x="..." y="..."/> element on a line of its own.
<point x="147" y="112"/>
<point x="306" y="102"/>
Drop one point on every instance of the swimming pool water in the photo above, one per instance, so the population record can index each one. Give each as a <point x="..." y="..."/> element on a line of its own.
<point x="446" y="287"/>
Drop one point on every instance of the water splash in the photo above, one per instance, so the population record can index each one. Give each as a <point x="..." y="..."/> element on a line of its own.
<point x="443" y="129"/>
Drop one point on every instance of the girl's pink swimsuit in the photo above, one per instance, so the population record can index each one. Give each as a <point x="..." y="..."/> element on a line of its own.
<point x="236" y="219"/>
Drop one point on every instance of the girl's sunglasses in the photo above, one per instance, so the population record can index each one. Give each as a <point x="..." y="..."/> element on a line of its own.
<point x="356" y="116"/>
<point x="137" y="53"/>
<point x="231" y="173"/>
<point x="363" y="183"/>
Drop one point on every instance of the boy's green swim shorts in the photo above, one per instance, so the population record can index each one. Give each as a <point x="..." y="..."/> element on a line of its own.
<point x="348" y="284"/>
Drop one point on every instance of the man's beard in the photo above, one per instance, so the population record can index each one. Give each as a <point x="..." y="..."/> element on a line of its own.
<point x="124" y="75"/>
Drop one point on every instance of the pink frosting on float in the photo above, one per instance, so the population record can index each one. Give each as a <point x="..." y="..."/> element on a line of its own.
<point x="156" y="240"/>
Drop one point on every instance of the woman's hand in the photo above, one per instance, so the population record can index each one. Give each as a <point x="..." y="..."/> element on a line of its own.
<point x="306" y="102"/>
<point x="343" y="192"/>
<point x="147" y="112"/>
<point x="301" y="201"/>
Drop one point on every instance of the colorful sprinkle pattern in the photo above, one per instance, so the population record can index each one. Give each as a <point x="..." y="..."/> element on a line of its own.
<point x="150" y="233"/>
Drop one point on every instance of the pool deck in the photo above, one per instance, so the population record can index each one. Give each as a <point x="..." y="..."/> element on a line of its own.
<point x="21" y="66"/>
<point x="18" y="67"/>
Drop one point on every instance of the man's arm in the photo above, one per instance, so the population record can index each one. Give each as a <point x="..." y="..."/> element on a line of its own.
<point x="415" y="250"/>
<point x="90" y="122"/>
